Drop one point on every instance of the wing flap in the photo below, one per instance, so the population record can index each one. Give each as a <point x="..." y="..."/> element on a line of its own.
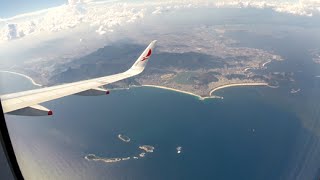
<point x="35" y="110"/>
<point x="94" y="92"/>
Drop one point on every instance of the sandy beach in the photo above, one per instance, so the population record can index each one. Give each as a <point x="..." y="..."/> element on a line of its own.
<point x="167" y="88"/>
<point x="264" y="64"/>
<point x="237" y="84"/>
<point x="211" y="92"/>
<point x="181" y="91"/>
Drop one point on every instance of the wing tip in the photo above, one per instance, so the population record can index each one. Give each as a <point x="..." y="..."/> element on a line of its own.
<point x="153" y="43"/>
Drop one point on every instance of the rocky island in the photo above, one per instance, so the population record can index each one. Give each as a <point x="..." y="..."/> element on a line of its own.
<point x="124" y="138"/>
<point x="93" y="157"/>
<point x="147" y="148"/>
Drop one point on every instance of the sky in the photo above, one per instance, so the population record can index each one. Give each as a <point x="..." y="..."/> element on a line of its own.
<point x="77" y="27"/>
<point x="22" y="18"/>
<point x="9" y="8"/>
<point x="16" y="7"/>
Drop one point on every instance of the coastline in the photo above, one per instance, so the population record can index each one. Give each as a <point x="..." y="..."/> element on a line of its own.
<point x="23" y="75"/>
<point x="237" y="84"/>
<point x="211" y="96"/>
<point x="265" y="63"/>
<point x="181" y="91"/>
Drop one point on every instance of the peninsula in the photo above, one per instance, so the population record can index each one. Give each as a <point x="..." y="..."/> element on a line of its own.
<point x="196" y="68"/>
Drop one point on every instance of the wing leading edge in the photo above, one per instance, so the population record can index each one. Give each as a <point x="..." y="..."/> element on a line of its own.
<point x="22" y="103"/>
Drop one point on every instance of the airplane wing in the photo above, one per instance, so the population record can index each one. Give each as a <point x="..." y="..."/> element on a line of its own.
<point x="27" y="102"/>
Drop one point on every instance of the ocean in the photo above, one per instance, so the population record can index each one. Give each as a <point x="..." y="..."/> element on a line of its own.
<point x="253" y="133"/>
<point x="242" y="136"/>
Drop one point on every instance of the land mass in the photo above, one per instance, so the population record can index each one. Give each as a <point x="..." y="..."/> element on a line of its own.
<point x="191" y="73"/>
<point x="197" y="68"/>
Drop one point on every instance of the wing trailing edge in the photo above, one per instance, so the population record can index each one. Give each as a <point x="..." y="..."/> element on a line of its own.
<point x="35" y="110"/>
<point x="27" y="102"/>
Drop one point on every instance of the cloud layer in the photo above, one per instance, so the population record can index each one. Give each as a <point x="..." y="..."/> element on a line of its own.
<point x="107" y="15"/>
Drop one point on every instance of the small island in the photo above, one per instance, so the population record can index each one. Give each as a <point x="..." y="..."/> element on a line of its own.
<point x="179" y="149"/>
<point x="142" y="154"/>
<point x="147" y="148"/>
<point x="293" y="91"/>
<point x="124" y="138"/>
<point x="93" y="157"/>
<point x="124" y="159"/>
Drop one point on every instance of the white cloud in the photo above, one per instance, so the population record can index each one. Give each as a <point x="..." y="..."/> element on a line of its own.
<point x="11" y="31"/>
<point x="108" y="15"/>
<point x="157" y="11"/>
<point x="101" y="31"/>
<point x="74" y="2"/>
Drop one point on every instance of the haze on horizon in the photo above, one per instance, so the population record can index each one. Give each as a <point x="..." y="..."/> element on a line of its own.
<point x="78" y="27"/>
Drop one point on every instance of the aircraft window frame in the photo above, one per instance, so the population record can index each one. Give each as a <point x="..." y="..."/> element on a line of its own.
<point x="8" y="148"/>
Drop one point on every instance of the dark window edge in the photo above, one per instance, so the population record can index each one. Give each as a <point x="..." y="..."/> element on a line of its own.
<point x="8" y="149"/>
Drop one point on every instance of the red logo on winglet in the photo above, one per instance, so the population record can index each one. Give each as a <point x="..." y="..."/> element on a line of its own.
<point x="147" y="56"/>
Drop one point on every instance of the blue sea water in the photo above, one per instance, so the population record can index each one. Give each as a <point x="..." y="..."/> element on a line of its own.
<point x="240" y="137"/>
<point x="253" y="133"/>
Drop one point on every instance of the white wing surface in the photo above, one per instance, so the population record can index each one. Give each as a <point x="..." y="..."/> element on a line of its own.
<point x="27" y="102"/>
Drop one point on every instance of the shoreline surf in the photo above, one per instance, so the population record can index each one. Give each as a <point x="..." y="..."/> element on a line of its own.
<point x="265" y="63"/>
<point x="181" y="91"/>
<point x="237" y="84"/>
<point x="211" y="96"/>
<point x="23" y="75"/>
